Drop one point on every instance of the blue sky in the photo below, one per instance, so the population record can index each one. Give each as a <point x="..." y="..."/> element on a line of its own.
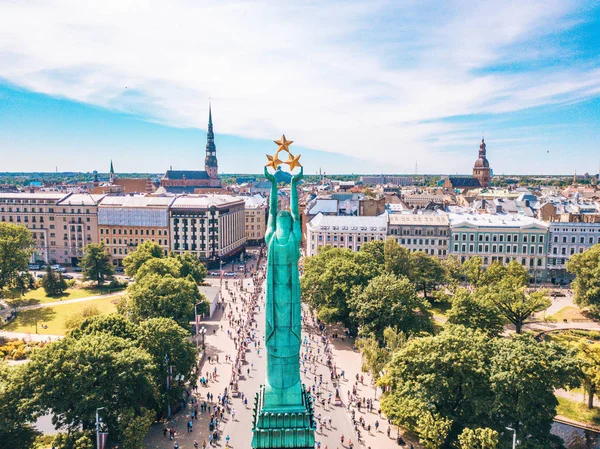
<point x="361" y="87"/>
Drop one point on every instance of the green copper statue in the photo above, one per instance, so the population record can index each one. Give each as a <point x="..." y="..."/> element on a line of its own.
<point x="283" y="327"/>
<point x="283" y="411"/>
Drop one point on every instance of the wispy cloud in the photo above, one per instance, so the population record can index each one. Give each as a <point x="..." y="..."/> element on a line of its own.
<point x="371" y="79"/>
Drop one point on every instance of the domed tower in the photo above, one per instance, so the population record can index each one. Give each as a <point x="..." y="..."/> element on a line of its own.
<point x="210" y="162"/>
<point x="481" y="169"/>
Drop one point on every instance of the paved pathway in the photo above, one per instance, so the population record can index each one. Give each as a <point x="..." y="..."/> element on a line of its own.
<point x="240" y="429"/>
<point x="31" y="337"/>
<point x="71" y="301"/>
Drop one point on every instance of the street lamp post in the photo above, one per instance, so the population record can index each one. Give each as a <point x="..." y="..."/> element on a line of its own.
<point x="197" y="324"/>
<point x="98" y="420"/>
<point x="514" y="437"/>
<point x="203" y="333"/>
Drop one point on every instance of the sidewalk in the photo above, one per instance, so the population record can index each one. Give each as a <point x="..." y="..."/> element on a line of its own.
<point x="217" y="343"/>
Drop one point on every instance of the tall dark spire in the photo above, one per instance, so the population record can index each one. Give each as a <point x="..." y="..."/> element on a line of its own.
<point x="112" y="172"/>
<point x="210" y="162"/>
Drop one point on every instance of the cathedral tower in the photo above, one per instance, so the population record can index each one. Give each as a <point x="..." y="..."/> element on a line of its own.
<point x="481" y="169"/>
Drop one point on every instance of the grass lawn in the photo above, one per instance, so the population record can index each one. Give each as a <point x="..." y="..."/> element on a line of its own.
<point x="38" y="296"/>
<point x="578" y="411"/>
<point x="55" y="317"/>
<point x="568" y="313"/>
<point x="574" y="337"/>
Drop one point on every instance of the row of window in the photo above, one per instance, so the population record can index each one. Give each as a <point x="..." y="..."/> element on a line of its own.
<point x="340" y="238"/>
<point x="133" y="231"/>
<point x="498" y="237"/>
<point x="132" y="243"/>
<point x="422" y="242"/>
<point x="498" y="248"/>
<point x="41" y="211"/>
<point x="412" y="231"/>
<point x="573" y="239"/>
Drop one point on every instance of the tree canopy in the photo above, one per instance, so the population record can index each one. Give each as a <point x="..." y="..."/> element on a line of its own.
<point x="156" y="296"/>
<point x="144" y="252"/>
<point x="16" y="246"/>
<point x="389" y="301"/>
<point x="440" y="385"/>
<point x="586" y="268"/>
<point x="95" y="263"/>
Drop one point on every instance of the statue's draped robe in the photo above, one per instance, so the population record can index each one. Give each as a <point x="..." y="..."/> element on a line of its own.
<point x="283" y="322"/>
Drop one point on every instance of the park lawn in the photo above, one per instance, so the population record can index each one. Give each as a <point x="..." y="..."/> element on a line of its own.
<point x="38" y="296"/>
<point x="578" y="411"/>
<point x="55" y="316"/>
<point x="567" y="313"/>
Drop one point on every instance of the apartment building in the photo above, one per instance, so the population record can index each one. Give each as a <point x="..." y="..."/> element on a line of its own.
<point x="500" y="237"/>
<point x="255" y="211"/>
<point x="60" y="224"/>
<point x="567" y="239"/>
<point x="429" y="233"/>
<point x="344" y="231"/>
<point x="212" y="227"/>
<point x="126" y="221"/>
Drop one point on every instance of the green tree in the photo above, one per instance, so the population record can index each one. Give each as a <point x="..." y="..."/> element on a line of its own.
<point x="16" y="246"/>
<point x="74" y="439"/>
<point x="134" y="427"/>
<point x="329" y="278"/>
<point x="463" y="377"/>
<point x="389" y="301"/>
<point x="397" y="258"/>
<point x="16" y="432"/>
<point x="586" y="268"/>
<point x="590" y="354"/>
<point x="524" y="375"/>
<point x="72" y="377"/>
<point x="474" y="313"/>
<point x="446" y="375"/>
<point x="479" y="438"/>
<point x="192" y="266"/>
<point x="113" y="324"/>
<point x="426" y="272"/>
<point x="472" y="269"/>
<point x="452" y="267"/>
<point x="95" y="263"/>
<point x="142" y="253"/>
<point x="434" y="430"/>
<point x="168" y="266"/>
<point x="492" y="274"/>
<point x="375" y="356"/>
<point x="156" y="296"/>
<point x="163" y="338"/>
<point x="376" y="249"/>
<point x="513" y="301"/>
<point x="23" y="282"/>
<point x="53" y="283"/>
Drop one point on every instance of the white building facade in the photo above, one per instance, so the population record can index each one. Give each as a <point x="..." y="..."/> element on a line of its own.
<point x="344" y="231"/>
<point x="429" y="233"/>
<point x="567" y="239"/>
<point x="502" y="238"/>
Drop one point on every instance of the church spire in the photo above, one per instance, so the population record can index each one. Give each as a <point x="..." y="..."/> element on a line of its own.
<point x="112" y="172"/>
<point x="210" y="162"/>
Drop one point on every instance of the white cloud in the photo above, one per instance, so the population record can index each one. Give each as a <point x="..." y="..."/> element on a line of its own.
<point x="368" y="79"/>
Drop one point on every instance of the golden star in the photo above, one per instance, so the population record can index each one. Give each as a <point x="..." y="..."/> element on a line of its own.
<point x="293" y="161"/>
<point x="274" y="161"/>
<point x="283" y="143"/>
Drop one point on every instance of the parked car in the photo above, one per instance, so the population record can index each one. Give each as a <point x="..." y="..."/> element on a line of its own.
<point x="77" y="269"/>
<point x="67" y="276"/>
<point x="33" y="266"/>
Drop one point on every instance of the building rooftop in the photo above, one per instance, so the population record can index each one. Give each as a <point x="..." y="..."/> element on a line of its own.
<point x="495" y="220"/>
<point x="378" y="223"/>
<point x="134" y="201"/>
<point x="204" y="201"/>
<point x="81" y="199"/>
<point x="419" y="219"/>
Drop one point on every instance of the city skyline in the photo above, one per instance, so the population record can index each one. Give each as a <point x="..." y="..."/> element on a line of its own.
<point x="379" y="89"/>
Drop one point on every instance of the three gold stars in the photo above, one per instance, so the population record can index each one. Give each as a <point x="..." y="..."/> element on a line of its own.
<point x="283" y="145"/>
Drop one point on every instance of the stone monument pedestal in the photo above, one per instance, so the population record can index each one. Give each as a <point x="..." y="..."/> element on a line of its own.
<point x="289" y="427"/>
